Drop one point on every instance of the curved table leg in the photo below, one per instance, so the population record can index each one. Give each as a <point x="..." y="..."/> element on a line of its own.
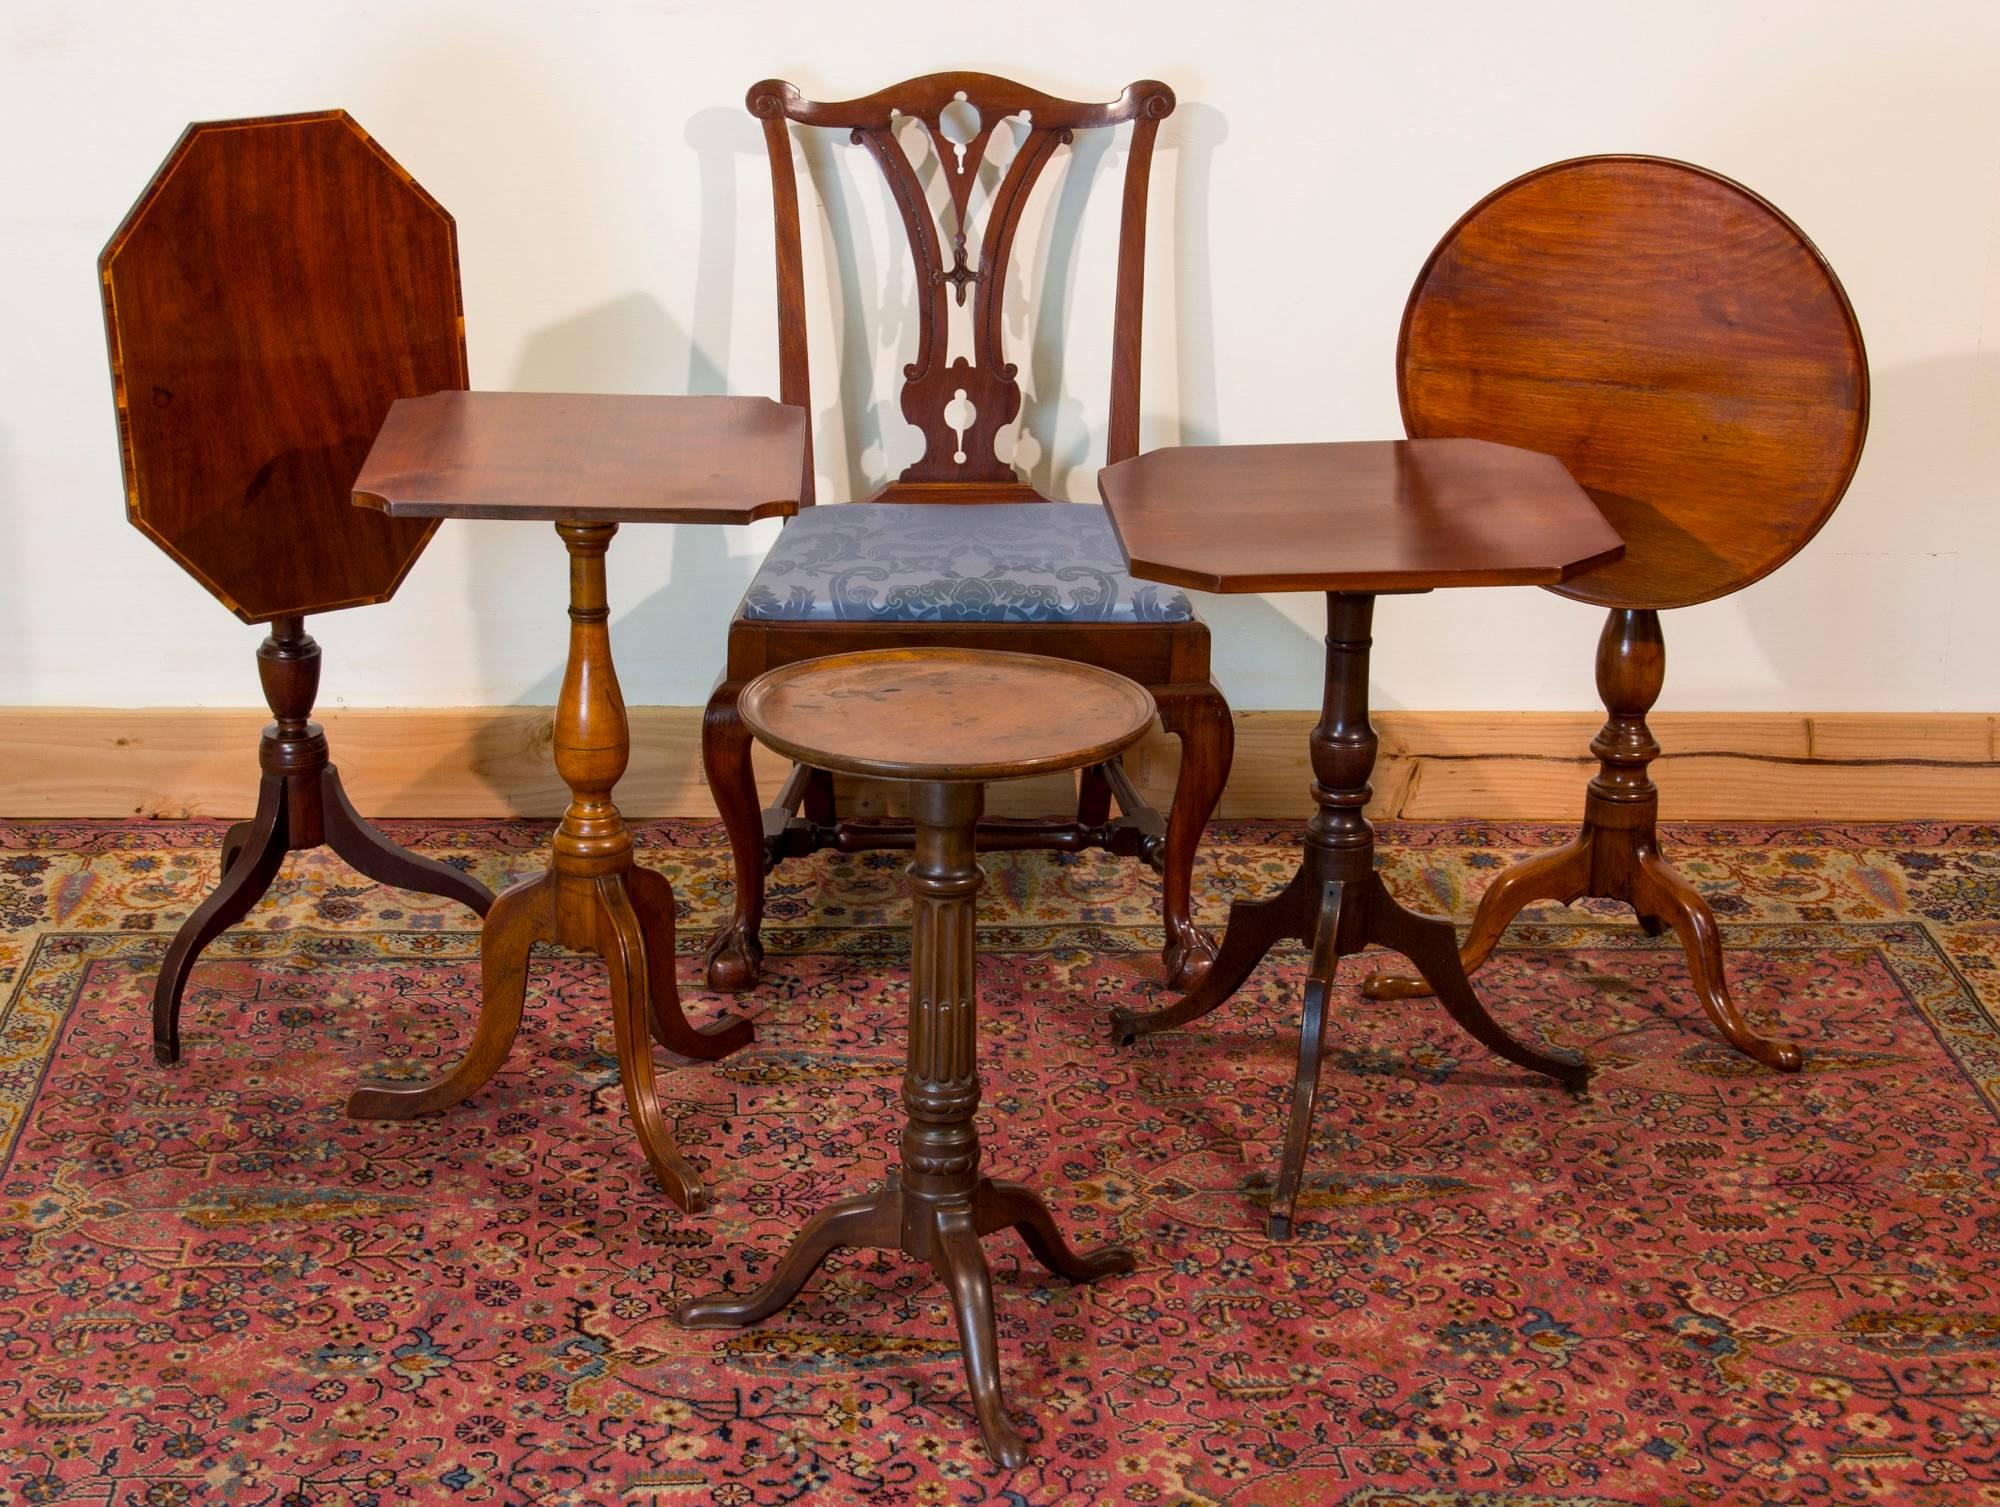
<point x="653" y="898"/>
<point x="961" y="1265"/>
<point x="868" y="1221"/>
<point x="521" y="917"/>
<point x="1562" y="875"/>
<point x="1002" y="1205"/>
<point x="233" y="841"/>
<point x="1658" y="890"/>
<point x="1255" y="927"/>
<point x="634" y="1010"/>
<point x="1313" y="1020"/>
<point x="259" y="855"/>
<point x="1433" y="947"/>
<point x="368" y="852"/>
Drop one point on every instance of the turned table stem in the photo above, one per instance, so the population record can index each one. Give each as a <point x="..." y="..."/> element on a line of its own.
<point x="1616" y="855"/>
<point x="938" y="1208"/>
<point x="1337" y="905"/>
<point x="592" y="898"/>
<point x="300" y="805"/>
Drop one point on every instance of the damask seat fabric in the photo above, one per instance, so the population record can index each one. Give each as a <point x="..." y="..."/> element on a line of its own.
<point x="1034" y="562"/>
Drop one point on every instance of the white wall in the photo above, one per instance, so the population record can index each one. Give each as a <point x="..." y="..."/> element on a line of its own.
<point x="612" y="204"/>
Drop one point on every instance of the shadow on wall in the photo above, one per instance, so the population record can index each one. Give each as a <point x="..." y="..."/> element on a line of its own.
<point x="16" y="643"/>
<point x="721" y="139"/>
<point x="1911" y="560"/>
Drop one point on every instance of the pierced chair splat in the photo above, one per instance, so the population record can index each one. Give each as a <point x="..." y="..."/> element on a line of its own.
<point x="960" y="551"/>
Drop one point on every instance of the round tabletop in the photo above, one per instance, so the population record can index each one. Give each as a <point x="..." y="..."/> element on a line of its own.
<point x="1673" y="339"/>
<point x="945" y="714"/>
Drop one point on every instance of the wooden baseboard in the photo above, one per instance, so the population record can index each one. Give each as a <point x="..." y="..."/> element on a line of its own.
<point x="496" y="761"/>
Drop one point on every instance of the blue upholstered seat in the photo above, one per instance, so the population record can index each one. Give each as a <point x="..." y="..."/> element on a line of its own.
<point x="1002" y="562"/>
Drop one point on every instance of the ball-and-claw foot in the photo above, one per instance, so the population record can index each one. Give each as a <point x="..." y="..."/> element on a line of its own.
<point x="1186" y="958"/>
<point x="735" y="961"/>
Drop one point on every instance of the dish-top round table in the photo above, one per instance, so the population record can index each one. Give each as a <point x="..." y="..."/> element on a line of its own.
<point x="1354" y="521"/>
<point x="585" y="463"/>
<point x="946" y="720"/>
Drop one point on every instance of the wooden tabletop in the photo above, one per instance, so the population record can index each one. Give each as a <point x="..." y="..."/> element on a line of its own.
<point x="945" y="714"/>
<point x="256" y="343"/>
<point x="586" y="458"/>
<point x="1372" y="515"/>
<point x="1671" y="337"/>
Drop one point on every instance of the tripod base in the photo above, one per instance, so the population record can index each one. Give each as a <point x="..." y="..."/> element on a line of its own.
<point x="946" y="1233"/>
<point x="295" y="813"/>
<point x="1337" y="918"/>
<point x="1337" y="905"/>
<point x="1617" y="854"/>
<point x="1623" y="864"/>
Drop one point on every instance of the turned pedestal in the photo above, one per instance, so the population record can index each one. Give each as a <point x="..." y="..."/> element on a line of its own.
<point x="1337" y="905"/>
<point x="593" y="898"/>
<point x="300" y="806"/>
<point x="947" y="720"/>
<point x="1616" y="855"/>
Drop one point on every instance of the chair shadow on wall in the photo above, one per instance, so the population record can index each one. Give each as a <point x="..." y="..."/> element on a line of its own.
<point x="15" y="629"/>
<point x="630" y="344"/>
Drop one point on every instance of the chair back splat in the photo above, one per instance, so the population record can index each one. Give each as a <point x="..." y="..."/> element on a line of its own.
<point x="959" y="114"/>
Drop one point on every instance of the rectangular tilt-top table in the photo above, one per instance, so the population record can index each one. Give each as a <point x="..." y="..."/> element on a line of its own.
<point x="585" y="463"/>
<point x="1354" y="521"/>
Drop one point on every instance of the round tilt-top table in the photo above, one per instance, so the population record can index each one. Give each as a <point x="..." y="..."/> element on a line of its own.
<point x="585" y="463"/>
<point x="1354" y="521"/>
<point x="947" y="721"/>
<point x="1687" y="352"/>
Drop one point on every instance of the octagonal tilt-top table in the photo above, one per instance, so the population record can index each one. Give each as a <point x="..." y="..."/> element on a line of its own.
<point x="585" y="464"/>
<point x="1354" y="521"/>
<point x="256" y="341"/>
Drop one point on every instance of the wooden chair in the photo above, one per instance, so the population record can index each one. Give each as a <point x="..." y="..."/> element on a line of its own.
<point x="914" y="566"/>
<point x="1693" y="360"/>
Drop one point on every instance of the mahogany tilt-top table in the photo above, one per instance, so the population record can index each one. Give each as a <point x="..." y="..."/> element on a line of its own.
<point x="947" y="720"/>
<point x="1354" y="521"/>
<point x="585" y="463"/>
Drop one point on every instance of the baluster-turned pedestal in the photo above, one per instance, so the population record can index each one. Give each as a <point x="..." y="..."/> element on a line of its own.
<point x="1616" y="855"/>
<point x="593" y="898"/>
<point x="300" y="806"/>
<point x="1337" y="905"/>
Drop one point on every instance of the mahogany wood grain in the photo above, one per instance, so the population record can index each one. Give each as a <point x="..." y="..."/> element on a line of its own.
<point x="1691" y="356"/>
<point x="988" y="380"/>
<point x="945" y="714"/>
<point x="586" y="458"/>
<point x="277" y="286"/>
<point x="907" y="129"/>
<point x="257" y="335"/>
<point x="1671" y="336"/>
<point x="1370" y="516"/>
<point x="916" y="714"/>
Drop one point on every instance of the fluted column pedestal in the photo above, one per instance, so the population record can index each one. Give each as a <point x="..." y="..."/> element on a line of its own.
<point x="938" y="1208"/>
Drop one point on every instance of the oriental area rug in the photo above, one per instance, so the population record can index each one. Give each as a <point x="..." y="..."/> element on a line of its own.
<point x="1702" y="1283"/>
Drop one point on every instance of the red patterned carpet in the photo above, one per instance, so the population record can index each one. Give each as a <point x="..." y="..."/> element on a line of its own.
<point x="1703" y="1284"/>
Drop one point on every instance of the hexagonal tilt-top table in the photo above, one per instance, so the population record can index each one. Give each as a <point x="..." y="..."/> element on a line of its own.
<point x="1353" y="521"/>
<point x="279" y="283"/>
